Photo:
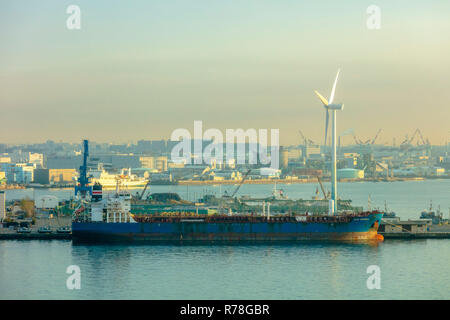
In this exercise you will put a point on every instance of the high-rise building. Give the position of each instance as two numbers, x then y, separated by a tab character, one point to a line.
284	157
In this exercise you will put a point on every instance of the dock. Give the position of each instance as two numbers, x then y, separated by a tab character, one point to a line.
35	236
54	224
413	229
425	235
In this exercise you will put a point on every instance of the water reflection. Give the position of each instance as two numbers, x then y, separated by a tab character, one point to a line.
409	269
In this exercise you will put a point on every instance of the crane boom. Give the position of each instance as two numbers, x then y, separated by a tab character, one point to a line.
321	187
376	136
145	188
240	184
421	137
302	136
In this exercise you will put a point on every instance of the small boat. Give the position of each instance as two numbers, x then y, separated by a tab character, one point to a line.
389	214
45	229
278	194
435	217
23	230
65	229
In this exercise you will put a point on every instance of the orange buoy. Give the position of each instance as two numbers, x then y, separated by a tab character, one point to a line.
380	237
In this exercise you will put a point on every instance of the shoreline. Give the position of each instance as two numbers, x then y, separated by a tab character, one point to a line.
297	181
236	182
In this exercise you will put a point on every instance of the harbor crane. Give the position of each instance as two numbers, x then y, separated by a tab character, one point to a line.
303	137
421	141
376	136
321	187
145	188
241	183
368	141
306	141
357	141
83	187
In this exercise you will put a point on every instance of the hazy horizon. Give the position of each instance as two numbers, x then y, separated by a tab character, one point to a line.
139	70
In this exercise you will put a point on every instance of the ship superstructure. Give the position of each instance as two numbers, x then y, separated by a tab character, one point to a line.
110	181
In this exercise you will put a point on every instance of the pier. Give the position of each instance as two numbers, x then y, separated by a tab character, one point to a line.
434	232
413	229
34	236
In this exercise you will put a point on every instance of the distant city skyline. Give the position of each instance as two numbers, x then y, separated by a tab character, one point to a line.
140	70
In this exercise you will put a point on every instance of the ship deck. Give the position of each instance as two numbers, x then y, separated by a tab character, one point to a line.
216	218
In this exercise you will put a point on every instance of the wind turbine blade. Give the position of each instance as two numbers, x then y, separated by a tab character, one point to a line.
334	87
324	101
326	125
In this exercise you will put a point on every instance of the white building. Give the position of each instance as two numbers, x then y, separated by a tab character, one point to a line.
269	172
36	159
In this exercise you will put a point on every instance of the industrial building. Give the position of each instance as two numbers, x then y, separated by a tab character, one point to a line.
350	173
50	176
5	159
284	157
158	163
310	172
21	173
311	151
115	161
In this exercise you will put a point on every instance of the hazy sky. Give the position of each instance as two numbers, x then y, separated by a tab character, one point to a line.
140	69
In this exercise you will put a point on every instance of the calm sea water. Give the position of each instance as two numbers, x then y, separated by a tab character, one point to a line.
409	270
415	269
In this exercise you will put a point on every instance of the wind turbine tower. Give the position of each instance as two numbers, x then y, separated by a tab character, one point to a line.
329	106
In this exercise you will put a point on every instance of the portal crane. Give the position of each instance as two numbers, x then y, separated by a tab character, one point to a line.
240	184
376	136
321	187
145	188
306	140
83	181
303	137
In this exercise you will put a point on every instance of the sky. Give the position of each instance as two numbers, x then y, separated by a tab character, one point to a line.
141	69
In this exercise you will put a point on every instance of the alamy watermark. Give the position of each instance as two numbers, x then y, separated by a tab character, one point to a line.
73	22
191	149
374	280
73	282
374	19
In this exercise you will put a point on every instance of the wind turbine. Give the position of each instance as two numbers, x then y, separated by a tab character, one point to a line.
329	106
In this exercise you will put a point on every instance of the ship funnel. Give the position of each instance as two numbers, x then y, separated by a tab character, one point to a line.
97	193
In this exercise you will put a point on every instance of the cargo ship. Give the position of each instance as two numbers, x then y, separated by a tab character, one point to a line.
110	181
166	218
189	227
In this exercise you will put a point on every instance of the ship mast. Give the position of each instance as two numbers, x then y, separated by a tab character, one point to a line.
333	163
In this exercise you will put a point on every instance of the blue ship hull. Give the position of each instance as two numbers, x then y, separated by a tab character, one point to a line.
359	228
